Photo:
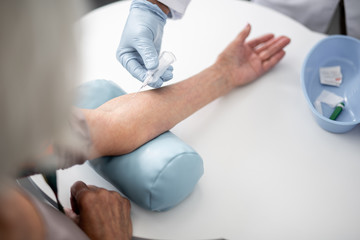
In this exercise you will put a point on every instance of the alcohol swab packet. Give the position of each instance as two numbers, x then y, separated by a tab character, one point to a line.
328	98
331	76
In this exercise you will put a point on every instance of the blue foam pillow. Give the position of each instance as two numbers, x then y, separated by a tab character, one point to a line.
156	176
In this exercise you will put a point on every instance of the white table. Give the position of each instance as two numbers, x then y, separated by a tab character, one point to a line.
270	171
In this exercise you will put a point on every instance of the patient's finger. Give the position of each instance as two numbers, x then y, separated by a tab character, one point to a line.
271	62
277	46
266	45
243	34
260	40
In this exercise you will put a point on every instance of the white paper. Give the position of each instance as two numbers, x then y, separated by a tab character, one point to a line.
328	98
331	76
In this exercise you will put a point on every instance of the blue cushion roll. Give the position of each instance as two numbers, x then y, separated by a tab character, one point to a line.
156	176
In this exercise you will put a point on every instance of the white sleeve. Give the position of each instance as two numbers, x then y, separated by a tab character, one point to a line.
177	7
316	15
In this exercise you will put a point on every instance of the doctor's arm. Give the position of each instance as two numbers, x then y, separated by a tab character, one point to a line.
123	124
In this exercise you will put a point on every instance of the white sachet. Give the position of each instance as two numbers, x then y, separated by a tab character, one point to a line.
328	98
331	76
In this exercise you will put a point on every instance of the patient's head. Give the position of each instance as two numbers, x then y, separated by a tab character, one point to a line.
37	68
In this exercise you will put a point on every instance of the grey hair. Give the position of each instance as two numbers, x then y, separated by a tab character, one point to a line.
38	68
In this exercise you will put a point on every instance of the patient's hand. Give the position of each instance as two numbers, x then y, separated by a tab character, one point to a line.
244	61
100	213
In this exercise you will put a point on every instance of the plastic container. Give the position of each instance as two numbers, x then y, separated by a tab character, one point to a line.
340	51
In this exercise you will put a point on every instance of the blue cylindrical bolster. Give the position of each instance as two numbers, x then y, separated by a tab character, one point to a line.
156	176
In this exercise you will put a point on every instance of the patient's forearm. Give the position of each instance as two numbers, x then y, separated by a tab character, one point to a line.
126	122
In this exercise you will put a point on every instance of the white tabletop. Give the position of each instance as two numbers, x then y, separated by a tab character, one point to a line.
270	171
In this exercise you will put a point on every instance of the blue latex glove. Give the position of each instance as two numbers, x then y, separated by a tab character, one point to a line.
140	43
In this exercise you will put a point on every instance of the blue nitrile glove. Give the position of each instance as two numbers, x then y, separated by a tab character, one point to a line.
140	43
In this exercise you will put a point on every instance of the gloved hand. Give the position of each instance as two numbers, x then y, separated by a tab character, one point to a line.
140	43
